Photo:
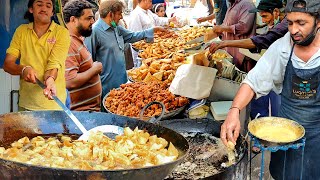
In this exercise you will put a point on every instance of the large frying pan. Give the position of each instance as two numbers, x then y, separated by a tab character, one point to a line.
234	172
17	125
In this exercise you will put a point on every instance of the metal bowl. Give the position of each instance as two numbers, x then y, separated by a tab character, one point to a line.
276	130
166	115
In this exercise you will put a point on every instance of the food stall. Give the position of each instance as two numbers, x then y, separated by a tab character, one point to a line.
151	81
197	143
197	140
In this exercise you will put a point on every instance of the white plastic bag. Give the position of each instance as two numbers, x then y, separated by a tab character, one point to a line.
193	81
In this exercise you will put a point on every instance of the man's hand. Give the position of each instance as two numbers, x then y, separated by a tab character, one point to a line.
218	29
97	67
50	89
215	46
29	75
230	129
202	19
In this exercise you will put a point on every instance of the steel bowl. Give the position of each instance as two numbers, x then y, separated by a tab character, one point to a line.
276	130
166	115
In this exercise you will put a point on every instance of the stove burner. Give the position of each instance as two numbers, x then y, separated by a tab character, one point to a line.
204	159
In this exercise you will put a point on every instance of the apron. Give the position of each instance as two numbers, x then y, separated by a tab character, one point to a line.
300	101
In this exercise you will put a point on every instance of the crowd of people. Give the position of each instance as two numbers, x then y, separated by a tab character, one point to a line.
86	59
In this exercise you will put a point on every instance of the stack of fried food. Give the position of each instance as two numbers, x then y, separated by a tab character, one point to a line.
163	47
163	35
134	149
192	33
131	98
157	70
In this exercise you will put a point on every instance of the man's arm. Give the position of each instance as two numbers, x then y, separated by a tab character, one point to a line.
75	80
56	61
203	19
265	40
13	53
58	54
230	129
10	65
243	43
255	43
131	37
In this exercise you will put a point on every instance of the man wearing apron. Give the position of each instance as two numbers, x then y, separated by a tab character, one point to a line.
291	68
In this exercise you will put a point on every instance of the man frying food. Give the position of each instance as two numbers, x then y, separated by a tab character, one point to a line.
291	68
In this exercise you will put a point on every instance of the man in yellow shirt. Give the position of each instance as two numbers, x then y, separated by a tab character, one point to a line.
42	47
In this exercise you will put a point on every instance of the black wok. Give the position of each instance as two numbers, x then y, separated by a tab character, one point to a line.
14	126
237	171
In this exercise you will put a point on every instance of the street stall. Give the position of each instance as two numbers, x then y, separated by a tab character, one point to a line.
160	61
30	141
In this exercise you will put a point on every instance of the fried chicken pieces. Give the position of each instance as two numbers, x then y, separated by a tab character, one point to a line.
157	70
134	149
131	98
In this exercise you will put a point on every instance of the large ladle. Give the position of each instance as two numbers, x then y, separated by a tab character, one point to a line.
106	129
109	130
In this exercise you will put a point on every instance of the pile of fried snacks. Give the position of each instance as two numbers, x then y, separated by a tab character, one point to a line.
134	149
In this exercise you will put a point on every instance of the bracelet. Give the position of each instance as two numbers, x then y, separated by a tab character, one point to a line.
234	107
24	68
50	77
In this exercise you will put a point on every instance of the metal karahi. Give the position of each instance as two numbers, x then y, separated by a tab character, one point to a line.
276	130
207	153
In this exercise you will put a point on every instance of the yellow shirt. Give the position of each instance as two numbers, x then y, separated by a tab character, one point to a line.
47	52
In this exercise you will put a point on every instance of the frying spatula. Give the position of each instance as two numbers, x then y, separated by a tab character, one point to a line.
106	129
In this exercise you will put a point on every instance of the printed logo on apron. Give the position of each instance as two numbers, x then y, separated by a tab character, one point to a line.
304	89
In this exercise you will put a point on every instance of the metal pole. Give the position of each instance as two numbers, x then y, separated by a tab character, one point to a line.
262	164
284	165
303	141
250	151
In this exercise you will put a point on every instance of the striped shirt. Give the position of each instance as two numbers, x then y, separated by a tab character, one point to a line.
88	96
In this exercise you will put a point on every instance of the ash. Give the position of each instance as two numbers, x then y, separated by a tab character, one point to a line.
206	155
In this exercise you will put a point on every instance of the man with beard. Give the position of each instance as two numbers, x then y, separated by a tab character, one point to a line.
269	11
238	24
42	48
106	43
82	74
291	68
